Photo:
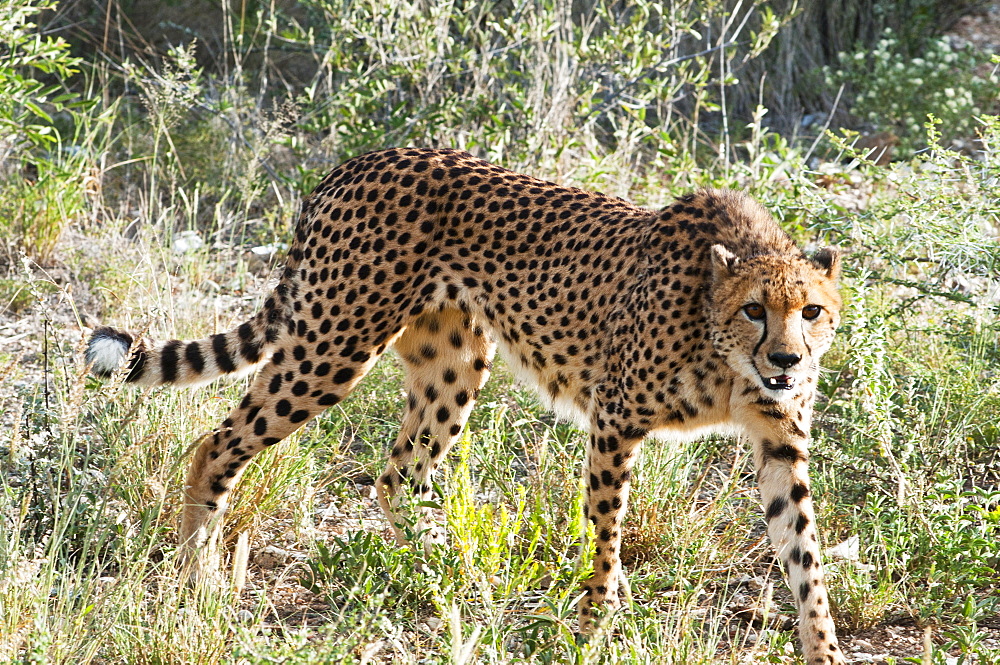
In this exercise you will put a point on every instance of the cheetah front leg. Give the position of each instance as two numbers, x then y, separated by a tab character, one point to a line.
778	432
607	474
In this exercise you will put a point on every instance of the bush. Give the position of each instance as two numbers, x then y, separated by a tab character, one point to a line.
41	180
896	93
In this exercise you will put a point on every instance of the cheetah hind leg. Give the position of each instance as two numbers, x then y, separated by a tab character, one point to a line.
282	398
447	356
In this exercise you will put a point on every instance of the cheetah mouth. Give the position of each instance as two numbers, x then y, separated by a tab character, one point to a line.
783	382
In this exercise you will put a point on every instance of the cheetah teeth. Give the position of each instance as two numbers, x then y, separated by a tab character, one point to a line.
782	382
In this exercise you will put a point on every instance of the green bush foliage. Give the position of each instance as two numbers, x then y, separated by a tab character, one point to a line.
894	91
41	187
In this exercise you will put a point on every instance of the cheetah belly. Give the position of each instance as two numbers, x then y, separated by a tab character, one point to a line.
550	385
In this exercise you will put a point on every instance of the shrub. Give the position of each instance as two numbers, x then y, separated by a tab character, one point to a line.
896	93
41	184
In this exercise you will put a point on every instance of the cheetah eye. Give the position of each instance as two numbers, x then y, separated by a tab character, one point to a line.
810	312
754	311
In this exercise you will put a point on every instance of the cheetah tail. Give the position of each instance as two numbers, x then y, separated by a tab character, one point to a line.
182	363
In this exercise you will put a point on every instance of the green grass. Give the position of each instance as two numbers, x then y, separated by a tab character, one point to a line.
906	441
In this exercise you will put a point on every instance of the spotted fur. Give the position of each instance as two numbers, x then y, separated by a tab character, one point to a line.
701	316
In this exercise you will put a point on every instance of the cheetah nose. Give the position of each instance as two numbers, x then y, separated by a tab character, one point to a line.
784	360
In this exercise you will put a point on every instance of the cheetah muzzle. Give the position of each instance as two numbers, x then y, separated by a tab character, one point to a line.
701	316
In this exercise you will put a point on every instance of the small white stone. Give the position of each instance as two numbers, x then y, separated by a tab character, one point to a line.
848	549
187	241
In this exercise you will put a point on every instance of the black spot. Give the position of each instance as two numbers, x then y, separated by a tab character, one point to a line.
775	508
799	492
344	375
250	351
260	426
194	358
329	399
298	416
632	432
784	451
283	407
168	361
222	358
801	523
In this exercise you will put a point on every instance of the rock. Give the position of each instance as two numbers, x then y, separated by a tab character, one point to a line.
271	557
187	241
848	549
265	256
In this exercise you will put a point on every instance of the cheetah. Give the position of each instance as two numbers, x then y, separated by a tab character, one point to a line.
703	316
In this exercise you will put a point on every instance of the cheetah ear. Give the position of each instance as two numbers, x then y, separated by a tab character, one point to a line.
724	263
828	259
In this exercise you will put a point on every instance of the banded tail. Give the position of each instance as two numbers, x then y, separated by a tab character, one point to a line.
183	363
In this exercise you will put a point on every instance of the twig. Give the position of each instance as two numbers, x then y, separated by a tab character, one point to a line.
616	94
826	125
45	373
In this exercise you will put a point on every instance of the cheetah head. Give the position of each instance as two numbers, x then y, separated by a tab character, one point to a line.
773	316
